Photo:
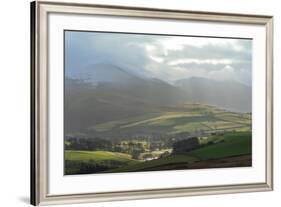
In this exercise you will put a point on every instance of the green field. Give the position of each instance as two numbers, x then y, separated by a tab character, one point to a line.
96	155
76	160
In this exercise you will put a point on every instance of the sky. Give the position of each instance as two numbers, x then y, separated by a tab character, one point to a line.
168	58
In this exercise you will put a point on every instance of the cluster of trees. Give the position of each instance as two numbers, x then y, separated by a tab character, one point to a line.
137	147
78	167
180	144
87	144
186	145
132	148
189	144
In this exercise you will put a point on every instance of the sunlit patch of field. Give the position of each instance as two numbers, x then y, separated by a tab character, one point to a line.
213	139
120	123
96	155
155	153
221	125
189	127
234	117
164	119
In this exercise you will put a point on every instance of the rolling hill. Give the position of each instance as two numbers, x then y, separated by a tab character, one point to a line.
112	96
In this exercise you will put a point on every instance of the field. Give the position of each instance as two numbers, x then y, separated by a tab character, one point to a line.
147	142
100	159
96	155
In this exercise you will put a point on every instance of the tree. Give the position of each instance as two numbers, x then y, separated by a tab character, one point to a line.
186	145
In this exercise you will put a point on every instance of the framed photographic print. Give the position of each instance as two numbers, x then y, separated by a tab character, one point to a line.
134	103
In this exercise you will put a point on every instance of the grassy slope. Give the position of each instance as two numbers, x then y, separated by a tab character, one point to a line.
238	143
191	117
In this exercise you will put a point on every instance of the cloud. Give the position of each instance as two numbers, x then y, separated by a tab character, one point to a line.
86	48
165	57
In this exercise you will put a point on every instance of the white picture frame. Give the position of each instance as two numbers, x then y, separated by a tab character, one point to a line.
48	184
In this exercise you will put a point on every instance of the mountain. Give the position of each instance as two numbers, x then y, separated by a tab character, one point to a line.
111	93
229	95
112	79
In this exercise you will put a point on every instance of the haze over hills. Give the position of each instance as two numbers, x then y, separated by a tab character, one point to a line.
106	92
230	95
110	78
106	73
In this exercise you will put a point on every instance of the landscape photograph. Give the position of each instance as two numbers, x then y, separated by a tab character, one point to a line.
151	102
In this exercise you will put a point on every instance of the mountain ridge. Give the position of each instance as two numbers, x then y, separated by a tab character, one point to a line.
124	95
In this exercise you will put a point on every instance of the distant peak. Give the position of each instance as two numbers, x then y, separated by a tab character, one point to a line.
197	78
193	78
112	66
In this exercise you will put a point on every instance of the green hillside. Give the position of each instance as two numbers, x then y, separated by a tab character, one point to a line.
234	144
188	118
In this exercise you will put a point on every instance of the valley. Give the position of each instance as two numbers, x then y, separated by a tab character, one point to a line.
147	142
